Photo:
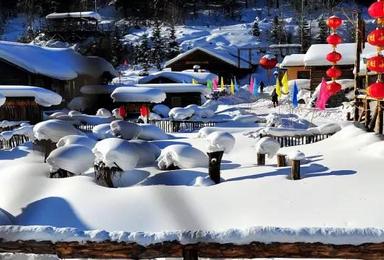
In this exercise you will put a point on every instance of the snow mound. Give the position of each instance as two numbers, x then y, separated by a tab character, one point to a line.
116	152
26	130
205	131
375	149
181	113
296	155
201	112
161	110
182	156
103	112
147	152
203	181
152	132
73	158
76	139
4	219
125	130
211	104
54	129
220	141
267	145
102	131
92	119
246	118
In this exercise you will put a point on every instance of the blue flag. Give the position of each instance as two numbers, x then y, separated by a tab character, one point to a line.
295	92
236	85
256	87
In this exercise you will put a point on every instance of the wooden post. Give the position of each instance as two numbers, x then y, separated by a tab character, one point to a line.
372	123
295	171
281	162
190	254
367	113
379	121
260	159
214	165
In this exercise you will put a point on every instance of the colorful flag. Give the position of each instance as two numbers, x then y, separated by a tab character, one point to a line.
215	83
323	96
222	87
295	92
278	87
251	85
209	85
236	86
194	82
256	86
232	88
284	81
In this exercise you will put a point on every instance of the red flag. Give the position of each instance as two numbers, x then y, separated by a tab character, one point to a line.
122	111
144	111
323	96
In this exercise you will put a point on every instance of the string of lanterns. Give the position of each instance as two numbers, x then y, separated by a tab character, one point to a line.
376	38
334	57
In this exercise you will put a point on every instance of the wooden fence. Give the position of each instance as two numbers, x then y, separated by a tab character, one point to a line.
15	140
174	126
85	127
287	141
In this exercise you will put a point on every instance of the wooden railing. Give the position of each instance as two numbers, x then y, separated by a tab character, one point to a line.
174	126
85	127
15	140
286	141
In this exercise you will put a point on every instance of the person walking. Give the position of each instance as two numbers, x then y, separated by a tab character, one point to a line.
275	98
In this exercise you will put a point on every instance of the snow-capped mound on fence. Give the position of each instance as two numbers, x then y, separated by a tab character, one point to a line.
125	130
102	131
200	111
116	152
77	139
267	145
43	97
26	130
181	113
103	112
329	128
57	115
220	141
152	132
161	109
296	155
286	121
148	152
6	123
182	156
73	158
93	119
74	113
205	131
54	129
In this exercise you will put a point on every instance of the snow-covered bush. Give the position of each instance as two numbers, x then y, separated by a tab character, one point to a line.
181	156
220	141
152	132
103	112
161	110
125	130
53	130
267	145
102	131
73	159
296	155
77	139
205	131
147	152
26	130
181	113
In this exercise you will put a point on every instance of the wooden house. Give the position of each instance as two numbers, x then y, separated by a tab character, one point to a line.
61	70
294	66
219	62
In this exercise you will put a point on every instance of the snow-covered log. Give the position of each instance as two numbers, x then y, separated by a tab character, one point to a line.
220	141
76	139
181	156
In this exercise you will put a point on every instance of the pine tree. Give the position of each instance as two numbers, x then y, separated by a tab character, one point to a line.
172	46
143	52
278	34
255	28
305	35
158	45
323	31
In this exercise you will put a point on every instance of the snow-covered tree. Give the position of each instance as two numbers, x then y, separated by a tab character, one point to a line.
143	52
172	46
305	35
278	34
323	31
256	28
158	45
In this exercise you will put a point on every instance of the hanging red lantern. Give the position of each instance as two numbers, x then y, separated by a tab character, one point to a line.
333	87
334	57
333	72
376	37
376	10
144	111
376	90
376	64
334	39
122	111
268	62
334	22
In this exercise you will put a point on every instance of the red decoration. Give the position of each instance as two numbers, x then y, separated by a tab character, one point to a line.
333	87
376	37
334	39
376	10
122	111
268	62
334	57
333	72
376	64
334	22
376	90
144	111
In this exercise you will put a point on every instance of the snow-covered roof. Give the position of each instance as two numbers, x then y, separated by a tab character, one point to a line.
43	97
57	63
177	87
180	76
293	60
87	14
316	54
220	54
134	94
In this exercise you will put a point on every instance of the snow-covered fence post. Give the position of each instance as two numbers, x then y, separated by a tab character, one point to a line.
296	157
266	146
218	143
281	161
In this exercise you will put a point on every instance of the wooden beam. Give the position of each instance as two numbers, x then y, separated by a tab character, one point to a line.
372	123
380	119
367	113
112	250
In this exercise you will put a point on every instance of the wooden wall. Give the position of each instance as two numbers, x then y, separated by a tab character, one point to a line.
317	73
293	72
21	109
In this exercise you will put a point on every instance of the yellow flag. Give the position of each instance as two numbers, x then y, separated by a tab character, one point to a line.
232	88
284	81
278	87
222	83
194	82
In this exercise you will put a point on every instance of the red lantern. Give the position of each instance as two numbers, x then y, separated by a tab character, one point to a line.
334	57
376	37
376	90
333	87
376	64
122	111
144	111
334	39
268	62
333	72
376	10
334	22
